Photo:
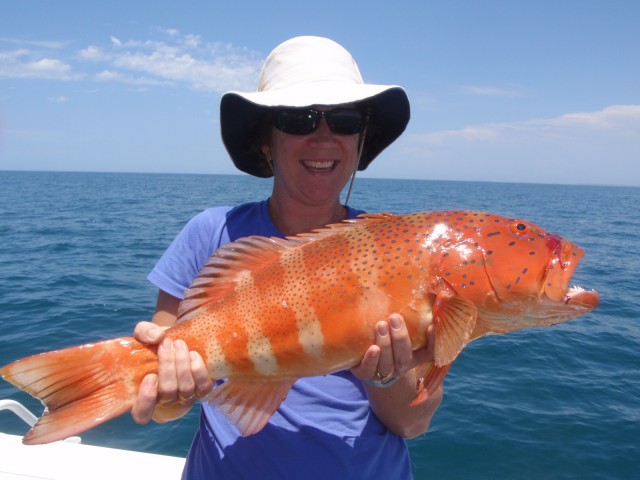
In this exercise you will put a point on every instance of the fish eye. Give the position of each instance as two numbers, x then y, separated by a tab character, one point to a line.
519	228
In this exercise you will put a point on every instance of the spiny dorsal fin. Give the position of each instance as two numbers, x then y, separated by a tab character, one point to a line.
220	274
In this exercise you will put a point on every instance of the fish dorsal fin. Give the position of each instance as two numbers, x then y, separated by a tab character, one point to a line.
231	262
454	320
225	268
249	405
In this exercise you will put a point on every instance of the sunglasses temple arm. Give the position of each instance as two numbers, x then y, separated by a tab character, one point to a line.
363	134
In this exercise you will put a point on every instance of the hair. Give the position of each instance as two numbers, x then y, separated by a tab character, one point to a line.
260	135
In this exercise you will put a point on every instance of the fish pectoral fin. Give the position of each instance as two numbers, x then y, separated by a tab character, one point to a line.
249	405
429	378
454	321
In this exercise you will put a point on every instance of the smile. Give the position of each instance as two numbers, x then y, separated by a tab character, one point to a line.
319	165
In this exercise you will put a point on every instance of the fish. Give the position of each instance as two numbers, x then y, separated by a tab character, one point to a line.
264	312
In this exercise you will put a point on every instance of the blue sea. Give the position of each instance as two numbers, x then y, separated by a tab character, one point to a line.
561	402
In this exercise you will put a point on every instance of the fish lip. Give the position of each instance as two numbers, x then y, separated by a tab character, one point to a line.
581	298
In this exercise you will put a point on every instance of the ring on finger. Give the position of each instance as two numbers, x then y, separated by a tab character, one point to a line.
383	381
186	399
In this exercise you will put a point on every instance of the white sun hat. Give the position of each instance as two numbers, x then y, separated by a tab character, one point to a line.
303	72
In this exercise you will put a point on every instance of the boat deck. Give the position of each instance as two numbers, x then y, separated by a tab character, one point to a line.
71	460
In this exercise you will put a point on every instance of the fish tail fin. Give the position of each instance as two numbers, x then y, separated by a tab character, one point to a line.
81	387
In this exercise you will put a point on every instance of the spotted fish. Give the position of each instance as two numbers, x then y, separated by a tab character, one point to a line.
264	312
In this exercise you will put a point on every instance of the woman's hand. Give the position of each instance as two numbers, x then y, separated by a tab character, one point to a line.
181	379
392	356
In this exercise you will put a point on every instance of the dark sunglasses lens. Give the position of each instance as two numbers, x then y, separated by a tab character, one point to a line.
296	122
303	122
345	122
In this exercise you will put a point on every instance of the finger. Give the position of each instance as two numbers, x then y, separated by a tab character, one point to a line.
383	340
148	332
401	343
146	401
422	355
185	383
367	368
431	340
203	382
167	376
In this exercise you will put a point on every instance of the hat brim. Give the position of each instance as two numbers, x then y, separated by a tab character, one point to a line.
241	114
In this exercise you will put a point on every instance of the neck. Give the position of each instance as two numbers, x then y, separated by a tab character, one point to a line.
292	219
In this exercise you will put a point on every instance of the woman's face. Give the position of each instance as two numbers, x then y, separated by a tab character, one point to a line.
314	168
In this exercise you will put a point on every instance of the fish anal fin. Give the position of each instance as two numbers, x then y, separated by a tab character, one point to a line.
249	405
430	377
454	321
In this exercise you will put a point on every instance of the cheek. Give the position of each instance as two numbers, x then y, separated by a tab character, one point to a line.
349	145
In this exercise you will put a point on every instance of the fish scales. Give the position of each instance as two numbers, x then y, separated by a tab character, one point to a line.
264	312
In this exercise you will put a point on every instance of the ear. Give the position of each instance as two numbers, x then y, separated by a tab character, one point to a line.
266	151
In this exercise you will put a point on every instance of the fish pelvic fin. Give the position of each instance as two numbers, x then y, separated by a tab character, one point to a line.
454	321
430	378
81	387
249	405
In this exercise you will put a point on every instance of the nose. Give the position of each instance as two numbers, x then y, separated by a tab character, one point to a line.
323	133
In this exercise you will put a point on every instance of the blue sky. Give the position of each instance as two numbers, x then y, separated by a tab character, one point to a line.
511	91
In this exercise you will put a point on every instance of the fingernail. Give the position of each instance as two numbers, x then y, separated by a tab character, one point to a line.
166	344
151	380
156	334
180	345
395	322
383	328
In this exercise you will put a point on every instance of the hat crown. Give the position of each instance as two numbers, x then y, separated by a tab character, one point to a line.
306	60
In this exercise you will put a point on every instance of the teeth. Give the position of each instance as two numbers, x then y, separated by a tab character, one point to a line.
319	165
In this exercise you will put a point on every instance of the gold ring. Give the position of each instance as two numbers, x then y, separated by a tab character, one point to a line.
186	399
382	378
383	381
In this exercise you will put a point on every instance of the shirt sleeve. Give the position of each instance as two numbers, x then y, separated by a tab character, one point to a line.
181	262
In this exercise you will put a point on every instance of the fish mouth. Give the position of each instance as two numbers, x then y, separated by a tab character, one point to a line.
559	271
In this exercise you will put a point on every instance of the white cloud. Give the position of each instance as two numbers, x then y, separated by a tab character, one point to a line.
575	147
113	76
491	91
174	60
623	117
203	66
91	53
50	44
24	63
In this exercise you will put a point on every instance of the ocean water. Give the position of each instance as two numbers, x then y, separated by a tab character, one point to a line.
561	402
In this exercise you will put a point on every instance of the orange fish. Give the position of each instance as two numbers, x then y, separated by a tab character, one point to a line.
265	311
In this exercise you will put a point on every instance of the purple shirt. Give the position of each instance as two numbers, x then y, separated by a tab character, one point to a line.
324	429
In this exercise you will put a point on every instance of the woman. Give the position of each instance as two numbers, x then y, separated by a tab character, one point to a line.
311	124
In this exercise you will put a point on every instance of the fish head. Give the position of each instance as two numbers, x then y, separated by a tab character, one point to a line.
515	272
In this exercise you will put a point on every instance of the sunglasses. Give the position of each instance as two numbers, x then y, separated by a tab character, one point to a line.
303	121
